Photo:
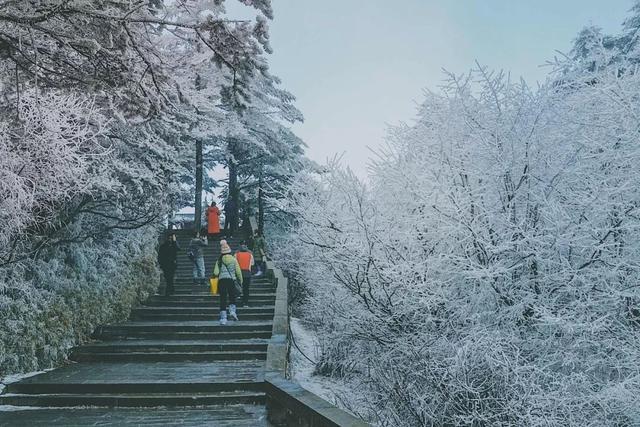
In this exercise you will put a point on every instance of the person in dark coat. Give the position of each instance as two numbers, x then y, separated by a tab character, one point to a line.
196	255
259	253
168	260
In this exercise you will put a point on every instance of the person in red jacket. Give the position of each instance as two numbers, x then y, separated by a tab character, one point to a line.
213	220
246	262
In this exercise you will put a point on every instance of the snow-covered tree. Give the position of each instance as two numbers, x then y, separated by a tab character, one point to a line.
101	106
262	138
592	51
46	161
629	41
166	75
488	273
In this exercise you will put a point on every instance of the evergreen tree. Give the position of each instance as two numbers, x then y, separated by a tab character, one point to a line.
628	41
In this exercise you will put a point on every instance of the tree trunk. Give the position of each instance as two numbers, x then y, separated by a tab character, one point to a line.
198	202
260	203
233	190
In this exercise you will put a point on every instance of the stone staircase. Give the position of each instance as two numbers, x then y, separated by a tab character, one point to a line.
171	363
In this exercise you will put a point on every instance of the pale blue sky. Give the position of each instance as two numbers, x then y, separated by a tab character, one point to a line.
356	66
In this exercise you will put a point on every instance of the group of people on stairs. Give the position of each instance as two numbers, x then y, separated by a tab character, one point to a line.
229	268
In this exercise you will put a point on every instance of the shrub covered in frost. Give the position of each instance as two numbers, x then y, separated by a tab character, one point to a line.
55	302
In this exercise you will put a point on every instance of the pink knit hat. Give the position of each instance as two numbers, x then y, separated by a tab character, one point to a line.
224	247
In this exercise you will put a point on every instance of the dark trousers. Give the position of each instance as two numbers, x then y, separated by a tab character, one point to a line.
227	291
246	282
169	274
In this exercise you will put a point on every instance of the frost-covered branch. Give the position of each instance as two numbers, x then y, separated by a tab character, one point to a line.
487	274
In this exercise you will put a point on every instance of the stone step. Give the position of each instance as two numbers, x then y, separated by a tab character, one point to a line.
134	399
194	326
186	268
209	252
141	356
215	301
213	247
160	372
212	243
208	298
231	240
258	287
172	346
181	293
185	263
215	415
189	285
237	239
188	234
209	257
161	334
201	294
210	310
201	290
208	302
187	279
253	302
140	314
132	387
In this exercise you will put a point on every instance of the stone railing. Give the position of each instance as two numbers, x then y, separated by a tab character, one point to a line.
288	404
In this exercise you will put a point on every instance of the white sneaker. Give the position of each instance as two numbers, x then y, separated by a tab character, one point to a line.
223	318
232	312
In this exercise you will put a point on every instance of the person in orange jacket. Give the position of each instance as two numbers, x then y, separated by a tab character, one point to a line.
213	220
246	262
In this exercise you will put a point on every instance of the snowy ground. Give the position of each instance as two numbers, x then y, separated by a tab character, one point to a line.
303	357
9	379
